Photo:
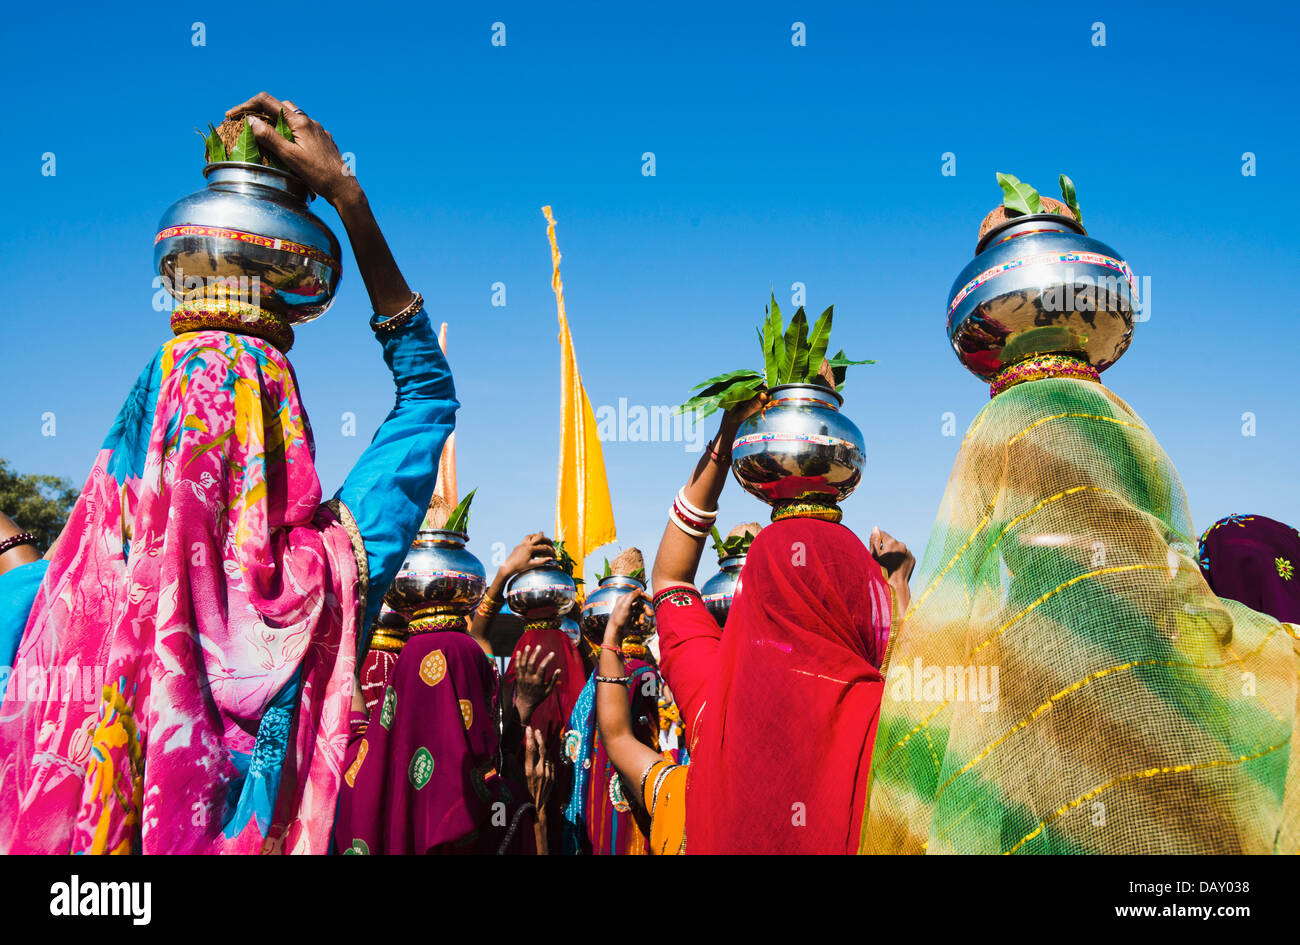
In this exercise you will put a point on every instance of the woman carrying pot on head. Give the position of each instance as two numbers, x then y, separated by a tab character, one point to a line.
653	786
1098	704
201	579
780	710
549	648
597	813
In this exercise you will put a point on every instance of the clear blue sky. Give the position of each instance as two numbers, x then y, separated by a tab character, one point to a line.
774	164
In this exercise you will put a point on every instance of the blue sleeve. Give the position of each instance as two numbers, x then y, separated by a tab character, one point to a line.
18	587
389	488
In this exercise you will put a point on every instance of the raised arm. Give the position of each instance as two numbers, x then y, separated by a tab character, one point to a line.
678	556
613	710
535	549
388	490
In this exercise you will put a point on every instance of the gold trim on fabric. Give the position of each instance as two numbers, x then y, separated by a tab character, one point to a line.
924	723
344	515
1117	569
988	512
1136	775
1075	686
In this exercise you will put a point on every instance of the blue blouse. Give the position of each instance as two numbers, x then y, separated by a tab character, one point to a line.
389	488
18	587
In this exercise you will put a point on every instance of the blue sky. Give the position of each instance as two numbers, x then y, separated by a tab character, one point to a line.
775	164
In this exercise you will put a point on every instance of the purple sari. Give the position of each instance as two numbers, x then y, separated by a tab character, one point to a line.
421	775
1254	560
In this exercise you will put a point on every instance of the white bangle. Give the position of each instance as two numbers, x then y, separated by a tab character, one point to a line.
698	513
677	520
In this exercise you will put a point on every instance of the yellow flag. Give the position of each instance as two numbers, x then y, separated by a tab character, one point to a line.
584	516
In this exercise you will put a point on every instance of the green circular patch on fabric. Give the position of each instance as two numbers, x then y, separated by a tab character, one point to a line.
421	769
389	709
358	848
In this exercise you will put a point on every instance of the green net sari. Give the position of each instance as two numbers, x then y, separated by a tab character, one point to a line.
1065	680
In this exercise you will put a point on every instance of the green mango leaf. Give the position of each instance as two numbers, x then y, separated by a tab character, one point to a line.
740	393
841	360
1068	197
796	346
839	365
282	127
639	574
725	379
284	131
458	520
565	560
817	342
702	407
774	353
607	572
718	544
214	150
245	148
1019	196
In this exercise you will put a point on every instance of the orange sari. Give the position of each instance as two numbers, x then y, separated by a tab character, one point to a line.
663	792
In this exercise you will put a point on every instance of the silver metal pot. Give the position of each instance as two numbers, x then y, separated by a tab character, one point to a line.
571	630
439	577
595	612
249	235
719	589
543	593
1039	285
800	445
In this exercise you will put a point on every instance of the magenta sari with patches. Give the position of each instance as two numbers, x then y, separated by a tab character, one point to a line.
200	578
422	773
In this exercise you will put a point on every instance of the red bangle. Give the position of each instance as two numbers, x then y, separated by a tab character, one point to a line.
613	649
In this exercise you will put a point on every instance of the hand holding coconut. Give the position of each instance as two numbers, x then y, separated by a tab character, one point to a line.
309	153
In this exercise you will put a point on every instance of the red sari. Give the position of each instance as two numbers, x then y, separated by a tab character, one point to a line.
781	710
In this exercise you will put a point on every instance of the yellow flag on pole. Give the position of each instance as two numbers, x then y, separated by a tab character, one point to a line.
584	515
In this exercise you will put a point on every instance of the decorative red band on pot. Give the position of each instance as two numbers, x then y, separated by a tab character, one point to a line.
818	438
221	232
1095	259
440	572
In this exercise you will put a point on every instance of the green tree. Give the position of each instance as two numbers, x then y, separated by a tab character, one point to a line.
39	504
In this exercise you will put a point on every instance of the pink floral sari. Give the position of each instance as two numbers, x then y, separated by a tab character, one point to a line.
184	681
